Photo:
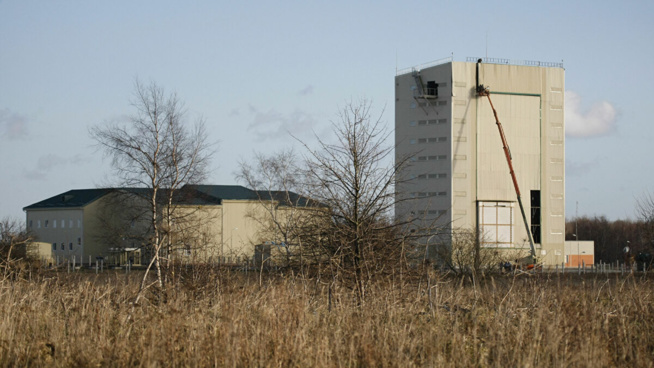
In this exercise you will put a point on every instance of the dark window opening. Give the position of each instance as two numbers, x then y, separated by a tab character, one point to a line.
535	216
432	88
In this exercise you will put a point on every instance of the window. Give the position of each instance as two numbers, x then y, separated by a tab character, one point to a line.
79	223
63	224
54	224
46	223
412	123
432	158
70	224
431	140
70	246
432	88
535	216
132	224
54	246
432	212
413	141
495	223
422	122
30	224
38	224
79	241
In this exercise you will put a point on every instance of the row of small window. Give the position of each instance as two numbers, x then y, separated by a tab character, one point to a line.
423	104
428	194
432	176
432	212
429	158
62	223
428	140
62	246
428	122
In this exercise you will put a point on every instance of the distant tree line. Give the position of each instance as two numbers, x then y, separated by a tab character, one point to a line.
611	237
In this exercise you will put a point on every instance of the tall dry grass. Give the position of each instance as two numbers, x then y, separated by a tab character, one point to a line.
233	320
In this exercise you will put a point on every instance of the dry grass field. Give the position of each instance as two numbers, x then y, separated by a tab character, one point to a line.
234	320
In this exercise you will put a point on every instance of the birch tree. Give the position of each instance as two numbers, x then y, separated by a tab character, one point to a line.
156	149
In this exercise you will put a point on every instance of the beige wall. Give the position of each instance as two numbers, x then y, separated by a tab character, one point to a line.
214	233
63	227
579	252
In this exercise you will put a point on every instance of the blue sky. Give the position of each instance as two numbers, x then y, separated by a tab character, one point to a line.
256	70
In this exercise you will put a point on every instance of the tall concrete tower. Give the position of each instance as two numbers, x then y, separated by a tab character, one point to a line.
458	176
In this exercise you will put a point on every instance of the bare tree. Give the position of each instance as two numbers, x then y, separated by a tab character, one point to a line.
464	254
354	177
645	213
14	239
156	150
281	213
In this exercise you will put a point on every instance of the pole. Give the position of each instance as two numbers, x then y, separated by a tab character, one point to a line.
577	229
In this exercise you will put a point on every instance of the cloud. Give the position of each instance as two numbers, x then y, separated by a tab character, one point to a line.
597	121
12	125
46	164
306	91
274	125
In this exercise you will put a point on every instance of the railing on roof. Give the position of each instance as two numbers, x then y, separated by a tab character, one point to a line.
423	66
487	60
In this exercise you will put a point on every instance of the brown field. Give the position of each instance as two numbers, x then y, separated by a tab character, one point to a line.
247	321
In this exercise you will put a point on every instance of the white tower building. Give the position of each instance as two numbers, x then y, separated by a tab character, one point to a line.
458	175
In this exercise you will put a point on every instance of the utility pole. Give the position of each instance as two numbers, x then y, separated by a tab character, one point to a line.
577	230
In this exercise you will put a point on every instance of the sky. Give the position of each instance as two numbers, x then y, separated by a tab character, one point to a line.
259	71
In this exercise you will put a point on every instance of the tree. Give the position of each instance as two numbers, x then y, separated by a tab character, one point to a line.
156	150
354	178
14	239
645	213
464	254
284	216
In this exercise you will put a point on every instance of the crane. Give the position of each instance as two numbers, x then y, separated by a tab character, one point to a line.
483	91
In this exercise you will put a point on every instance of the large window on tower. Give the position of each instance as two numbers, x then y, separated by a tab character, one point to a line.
495	224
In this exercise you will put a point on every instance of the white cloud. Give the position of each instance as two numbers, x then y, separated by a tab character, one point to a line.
598	120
